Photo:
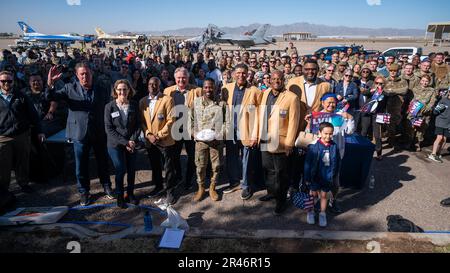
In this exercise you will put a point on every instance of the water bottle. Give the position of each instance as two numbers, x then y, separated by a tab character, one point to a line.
148	226
372	182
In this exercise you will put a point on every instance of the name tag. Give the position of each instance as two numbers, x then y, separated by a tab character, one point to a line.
283	113
160	116
115	114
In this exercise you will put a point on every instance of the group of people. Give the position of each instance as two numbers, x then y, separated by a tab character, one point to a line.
252	106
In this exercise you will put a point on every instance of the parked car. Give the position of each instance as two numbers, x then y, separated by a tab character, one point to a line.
402	51
328	51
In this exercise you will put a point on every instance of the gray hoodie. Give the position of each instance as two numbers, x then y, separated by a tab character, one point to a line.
443	119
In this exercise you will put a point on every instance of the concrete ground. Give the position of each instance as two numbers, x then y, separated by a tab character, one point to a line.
407	184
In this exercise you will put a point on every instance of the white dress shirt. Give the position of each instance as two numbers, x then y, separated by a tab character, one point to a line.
310	90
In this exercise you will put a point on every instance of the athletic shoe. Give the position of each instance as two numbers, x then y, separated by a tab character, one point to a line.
435	158
310	218
322	219
246	194
84	199
232	188
109	193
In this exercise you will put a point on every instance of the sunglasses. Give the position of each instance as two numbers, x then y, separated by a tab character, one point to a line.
347	75
380	83
330	70
6	81
365	72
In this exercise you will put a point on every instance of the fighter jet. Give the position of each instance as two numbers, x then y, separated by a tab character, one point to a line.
115	39
30	35
213	35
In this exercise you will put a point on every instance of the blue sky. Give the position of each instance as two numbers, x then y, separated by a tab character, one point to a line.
57	16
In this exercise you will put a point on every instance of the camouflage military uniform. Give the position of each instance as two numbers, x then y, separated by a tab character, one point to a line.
412	80
207	114
441	72
185	52
287	77
291	51
431	74
444	83
395	89
338	76
427	96
321	64
352	60
361	62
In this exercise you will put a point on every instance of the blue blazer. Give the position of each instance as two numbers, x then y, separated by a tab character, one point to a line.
86	117
351	96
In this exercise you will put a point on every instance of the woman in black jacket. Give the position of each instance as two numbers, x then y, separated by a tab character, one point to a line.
378	85
123	128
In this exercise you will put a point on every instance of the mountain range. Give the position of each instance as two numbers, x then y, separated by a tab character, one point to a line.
315	29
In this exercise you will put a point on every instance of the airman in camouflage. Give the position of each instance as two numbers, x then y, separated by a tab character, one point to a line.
427	96
394	89
441	70
412	80
339	73
425	69
207	114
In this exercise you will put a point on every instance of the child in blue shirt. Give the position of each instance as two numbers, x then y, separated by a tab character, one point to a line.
321	169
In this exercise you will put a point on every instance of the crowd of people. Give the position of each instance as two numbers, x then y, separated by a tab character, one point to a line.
162	96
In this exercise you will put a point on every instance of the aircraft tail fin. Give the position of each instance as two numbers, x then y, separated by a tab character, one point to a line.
100	32
25	28
261	31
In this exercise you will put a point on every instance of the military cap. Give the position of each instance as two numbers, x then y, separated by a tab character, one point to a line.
366	66
343	64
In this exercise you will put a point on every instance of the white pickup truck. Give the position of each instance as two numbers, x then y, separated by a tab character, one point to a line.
401	51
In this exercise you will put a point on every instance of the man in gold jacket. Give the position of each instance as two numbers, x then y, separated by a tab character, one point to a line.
183	95
243	101
157	120
279	118
310	89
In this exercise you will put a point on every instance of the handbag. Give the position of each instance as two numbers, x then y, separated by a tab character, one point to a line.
304	139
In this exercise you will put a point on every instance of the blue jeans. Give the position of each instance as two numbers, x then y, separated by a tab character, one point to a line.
124	162
82	151
237	158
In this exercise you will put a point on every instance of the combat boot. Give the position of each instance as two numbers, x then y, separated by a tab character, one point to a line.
199	195
212	192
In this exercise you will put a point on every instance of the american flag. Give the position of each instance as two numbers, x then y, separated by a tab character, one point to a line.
417	122
303	200
384	118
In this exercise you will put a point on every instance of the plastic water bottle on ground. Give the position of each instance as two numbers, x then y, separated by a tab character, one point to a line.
148	225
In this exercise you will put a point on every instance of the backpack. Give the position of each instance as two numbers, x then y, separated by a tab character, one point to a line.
397	223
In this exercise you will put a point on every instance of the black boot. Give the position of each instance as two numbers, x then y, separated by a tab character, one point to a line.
121	202
130	198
